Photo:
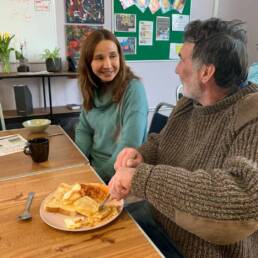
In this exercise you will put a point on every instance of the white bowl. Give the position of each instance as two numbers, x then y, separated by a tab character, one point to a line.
37	125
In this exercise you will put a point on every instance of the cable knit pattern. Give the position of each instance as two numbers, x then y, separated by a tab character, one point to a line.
201	176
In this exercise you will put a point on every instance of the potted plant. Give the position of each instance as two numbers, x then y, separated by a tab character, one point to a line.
23	67
53	60
5	50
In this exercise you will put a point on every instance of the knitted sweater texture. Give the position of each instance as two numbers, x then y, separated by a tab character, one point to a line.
201	176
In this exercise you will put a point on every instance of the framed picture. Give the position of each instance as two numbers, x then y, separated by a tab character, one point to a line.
85	11
74	35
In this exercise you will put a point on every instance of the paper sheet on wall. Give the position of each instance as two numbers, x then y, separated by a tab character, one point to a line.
11	144
179	22
145	33
174	50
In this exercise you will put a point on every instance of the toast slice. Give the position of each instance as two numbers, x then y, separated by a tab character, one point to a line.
86	206
53	204
57	203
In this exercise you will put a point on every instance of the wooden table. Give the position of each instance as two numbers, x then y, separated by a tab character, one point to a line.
62	153
121	238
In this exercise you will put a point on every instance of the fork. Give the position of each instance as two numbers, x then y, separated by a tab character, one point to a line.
26	215
101	206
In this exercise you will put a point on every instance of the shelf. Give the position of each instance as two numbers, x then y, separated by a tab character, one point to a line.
59	110
71	75
50	112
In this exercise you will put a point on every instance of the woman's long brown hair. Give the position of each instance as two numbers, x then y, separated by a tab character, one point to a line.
88	80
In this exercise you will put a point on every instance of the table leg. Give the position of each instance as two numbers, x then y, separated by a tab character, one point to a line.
44	91
50	97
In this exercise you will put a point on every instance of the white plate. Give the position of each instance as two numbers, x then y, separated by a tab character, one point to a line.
56	220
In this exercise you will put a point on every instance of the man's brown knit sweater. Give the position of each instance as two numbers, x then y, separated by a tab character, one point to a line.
201	175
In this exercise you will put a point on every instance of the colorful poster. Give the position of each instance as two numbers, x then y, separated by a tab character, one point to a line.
179	5
145	33
127	3
128	45
125	22
162	28
142	4
154	6
165	6
74	35
85	11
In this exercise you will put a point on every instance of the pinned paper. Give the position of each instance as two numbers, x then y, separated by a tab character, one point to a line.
128	45
179	22
142	4
162	28
146	33
175	50
179	5
165	6
154	6
127	3
125	22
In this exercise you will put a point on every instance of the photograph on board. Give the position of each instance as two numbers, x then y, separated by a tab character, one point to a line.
128	45
74	36
125	22
85	11
162	28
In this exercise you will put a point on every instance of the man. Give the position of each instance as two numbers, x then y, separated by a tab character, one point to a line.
200	173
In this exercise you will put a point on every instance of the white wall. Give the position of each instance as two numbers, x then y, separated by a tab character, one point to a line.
159	78
247	11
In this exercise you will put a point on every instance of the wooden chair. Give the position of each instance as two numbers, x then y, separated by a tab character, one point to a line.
179	92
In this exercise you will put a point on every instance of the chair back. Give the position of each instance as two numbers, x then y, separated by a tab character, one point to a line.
2	118
179	92
159	120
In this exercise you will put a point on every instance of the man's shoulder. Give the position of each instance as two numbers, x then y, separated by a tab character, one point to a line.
183	105
247	110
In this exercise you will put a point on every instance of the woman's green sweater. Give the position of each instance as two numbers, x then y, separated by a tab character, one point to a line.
109	127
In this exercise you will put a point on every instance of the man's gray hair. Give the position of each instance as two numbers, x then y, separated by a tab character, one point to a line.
223	44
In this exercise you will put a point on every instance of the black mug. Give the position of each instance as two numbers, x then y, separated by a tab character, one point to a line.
38	149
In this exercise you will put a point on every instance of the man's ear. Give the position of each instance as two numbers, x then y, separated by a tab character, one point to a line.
207	72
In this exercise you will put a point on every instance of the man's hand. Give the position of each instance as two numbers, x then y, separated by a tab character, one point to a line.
120	184
128	157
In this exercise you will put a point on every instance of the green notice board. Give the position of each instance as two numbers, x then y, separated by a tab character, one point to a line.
160	49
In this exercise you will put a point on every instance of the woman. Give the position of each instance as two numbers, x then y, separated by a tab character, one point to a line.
115	105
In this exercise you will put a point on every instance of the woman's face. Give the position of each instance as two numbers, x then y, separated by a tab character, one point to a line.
106	61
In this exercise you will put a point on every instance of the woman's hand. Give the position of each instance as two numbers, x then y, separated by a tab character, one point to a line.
128	157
